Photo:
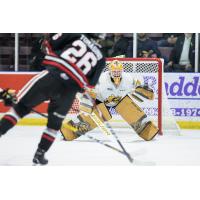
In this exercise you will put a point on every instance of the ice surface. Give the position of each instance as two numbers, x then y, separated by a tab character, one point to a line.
18	146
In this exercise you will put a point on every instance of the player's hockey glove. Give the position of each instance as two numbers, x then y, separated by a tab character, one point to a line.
8	96
145	91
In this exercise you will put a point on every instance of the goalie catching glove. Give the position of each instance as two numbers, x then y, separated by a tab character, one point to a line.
8	96
145	91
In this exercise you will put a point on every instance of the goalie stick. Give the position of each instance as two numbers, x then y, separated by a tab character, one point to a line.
88	136
107	128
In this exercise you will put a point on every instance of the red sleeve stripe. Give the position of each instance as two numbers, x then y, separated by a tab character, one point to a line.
30	83
48	137
11	119
68	64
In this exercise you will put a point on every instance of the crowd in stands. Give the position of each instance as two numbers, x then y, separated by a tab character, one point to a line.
177	49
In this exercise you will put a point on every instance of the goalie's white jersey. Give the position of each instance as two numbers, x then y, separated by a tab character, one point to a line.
108	93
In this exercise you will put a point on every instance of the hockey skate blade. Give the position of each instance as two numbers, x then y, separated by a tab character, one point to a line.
34	164
38	164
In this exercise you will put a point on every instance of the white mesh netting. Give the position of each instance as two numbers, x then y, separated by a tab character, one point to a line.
133	66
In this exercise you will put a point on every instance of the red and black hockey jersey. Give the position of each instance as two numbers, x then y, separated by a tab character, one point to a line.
77	55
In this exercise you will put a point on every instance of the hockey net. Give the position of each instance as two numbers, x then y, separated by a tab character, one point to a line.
149	71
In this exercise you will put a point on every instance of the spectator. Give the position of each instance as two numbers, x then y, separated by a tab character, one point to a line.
183	54
169	39
120	45
146	47
7	51
107	44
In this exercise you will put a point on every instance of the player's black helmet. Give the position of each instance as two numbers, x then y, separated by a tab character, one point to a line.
101	36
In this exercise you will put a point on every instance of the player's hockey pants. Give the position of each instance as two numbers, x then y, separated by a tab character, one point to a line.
45	87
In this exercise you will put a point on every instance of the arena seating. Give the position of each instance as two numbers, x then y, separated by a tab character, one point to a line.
7	51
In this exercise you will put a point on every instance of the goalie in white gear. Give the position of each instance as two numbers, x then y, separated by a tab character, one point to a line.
119	90
114	84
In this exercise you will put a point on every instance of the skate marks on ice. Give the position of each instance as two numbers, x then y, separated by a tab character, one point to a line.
128	138
143	163
26	160
18	147
135	154
138	162
16	160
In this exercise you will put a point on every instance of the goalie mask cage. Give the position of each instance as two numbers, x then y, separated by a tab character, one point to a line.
150	71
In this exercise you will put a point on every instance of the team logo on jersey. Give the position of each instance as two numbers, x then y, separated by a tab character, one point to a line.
112	98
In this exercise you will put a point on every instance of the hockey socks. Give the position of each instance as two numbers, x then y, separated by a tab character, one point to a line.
46	141
6	123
